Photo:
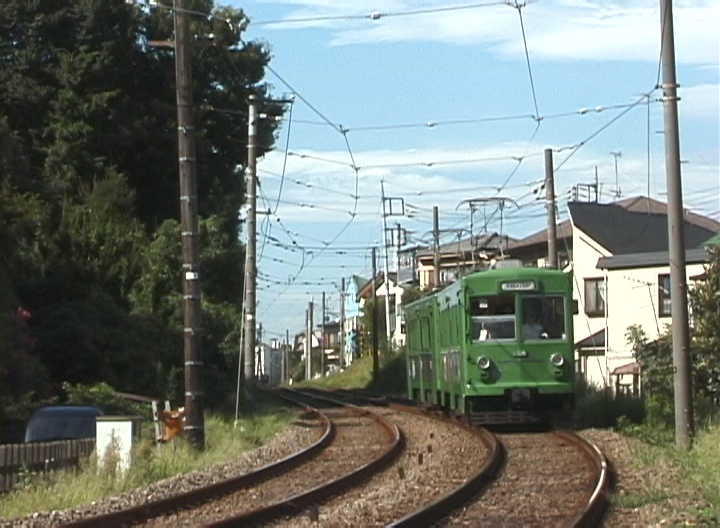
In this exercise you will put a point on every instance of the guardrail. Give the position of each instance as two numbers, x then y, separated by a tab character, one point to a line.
17	460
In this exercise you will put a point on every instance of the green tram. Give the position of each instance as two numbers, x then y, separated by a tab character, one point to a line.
496	346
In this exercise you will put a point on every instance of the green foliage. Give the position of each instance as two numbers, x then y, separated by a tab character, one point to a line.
657	371
22	375
105	396
603	407
656	362
91	339
412	293
373	308
392	375
224	439
704	301
89	193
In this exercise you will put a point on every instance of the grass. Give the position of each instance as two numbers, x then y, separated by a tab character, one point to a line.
224	439
391	376
670	470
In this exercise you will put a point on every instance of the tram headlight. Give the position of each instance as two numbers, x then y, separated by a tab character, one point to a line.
483	362
557	360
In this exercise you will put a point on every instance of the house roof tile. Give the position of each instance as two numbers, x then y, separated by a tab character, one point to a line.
624	231
615	215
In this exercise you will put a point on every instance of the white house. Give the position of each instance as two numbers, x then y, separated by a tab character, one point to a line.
622	277
618	253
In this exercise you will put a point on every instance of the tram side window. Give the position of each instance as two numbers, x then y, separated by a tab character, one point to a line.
492	318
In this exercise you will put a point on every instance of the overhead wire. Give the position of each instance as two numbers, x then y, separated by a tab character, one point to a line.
376	15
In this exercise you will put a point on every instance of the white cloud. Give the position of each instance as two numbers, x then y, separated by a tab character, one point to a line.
556	31
699	101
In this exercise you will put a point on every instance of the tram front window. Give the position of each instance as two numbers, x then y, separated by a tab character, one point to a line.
492	318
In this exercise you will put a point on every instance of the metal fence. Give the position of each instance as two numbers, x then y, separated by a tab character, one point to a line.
18	461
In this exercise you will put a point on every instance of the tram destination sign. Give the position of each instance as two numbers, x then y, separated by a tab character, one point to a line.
520	285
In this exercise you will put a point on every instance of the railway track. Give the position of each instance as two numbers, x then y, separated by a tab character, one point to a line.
553	478
288	486
549	479
356	473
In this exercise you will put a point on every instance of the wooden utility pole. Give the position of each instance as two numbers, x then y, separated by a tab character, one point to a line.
684	426
194	414
550	198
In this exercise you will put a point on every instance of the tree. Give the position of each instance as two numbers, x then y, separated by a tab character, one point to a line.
656	357
89	190
704	299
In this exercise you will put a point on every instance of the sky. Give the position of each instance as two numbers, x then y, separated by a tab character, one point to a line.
433	103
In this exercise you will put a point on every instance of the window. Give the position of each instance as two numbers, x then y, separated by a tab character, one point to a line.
664	303
595	297
492	318
543	317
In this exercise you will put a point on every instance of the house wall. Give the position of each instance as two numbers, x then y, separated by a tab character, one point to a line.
586	253
633	299
396	335
351	324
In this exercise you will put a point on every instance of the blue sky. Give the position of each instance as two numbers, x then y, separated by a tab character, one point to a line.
442	101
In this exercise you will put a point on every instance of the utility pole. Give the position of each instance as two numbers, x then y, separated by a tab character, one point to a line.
308	342
342	322
399	306
259	364
550	198
376	365
322	338
684	426
194	414
436	248
385	267
393	212
250	257
617	154
286	356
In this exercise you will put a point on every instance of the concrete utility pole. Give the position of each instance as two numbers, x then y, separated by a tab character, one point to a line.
322	338
194	414
376	365
617	154
436	248
684	426
286	357
385	266
550	198
259	364
308	342
342	322
250	256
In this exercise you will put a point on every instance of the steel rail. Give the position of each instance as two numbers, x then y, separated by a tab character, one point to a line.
300	502
596	505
